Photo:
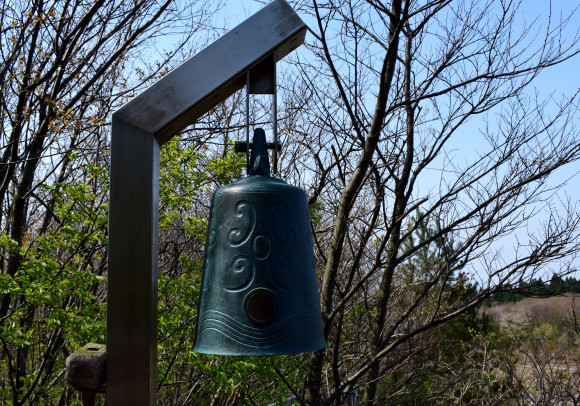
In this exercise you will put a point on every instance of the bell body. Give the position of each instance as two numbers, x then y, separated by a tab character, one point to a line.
259	286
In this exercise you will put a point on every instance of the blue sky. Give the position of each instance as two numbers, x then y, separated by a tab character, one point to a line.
558	82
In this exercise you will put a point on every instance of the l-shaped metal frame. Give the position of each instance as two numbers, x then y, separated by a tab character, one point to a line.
139	129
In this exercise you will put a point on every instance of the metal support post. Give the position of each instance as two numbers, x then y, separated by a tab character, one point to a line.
132	277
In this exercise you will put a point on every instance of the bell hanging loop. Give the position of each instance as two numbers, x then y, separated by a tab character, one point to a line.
261	79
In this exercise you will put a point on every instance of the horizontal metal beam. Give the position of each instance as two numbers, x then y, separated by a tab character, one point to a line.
211	76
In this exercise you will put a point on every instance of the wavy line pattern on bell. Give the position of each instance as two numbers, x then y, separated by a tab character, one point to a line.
263	337
249	330
253	341
236	237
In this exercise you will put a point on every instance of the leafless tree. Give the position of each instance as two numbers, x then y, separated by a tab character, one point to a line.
407	107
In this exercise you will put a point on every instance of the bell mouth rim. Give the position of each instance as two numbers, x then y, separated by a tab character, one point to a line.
249	353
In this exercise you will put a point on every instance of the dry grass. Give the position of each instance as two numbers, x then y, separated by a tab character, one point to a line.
534	308
546	347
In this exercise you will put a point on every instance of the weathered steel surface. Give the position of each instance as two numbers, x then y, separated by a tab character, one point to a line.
259	289
215	73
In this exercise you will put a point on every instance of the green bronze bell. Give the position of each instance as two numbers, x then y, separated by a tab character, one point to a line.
259	286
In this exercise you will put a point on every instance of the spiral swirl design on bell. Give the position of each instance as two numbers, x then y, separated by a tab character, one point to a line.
244	212
279	225
280	272
241	274
212	239
261	247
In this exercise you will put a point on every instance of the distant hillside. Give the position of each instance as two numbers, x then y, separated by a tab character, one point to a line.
533	308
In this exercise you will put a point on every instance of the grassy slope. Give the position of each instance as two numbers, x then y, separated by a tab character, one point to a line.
534	308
